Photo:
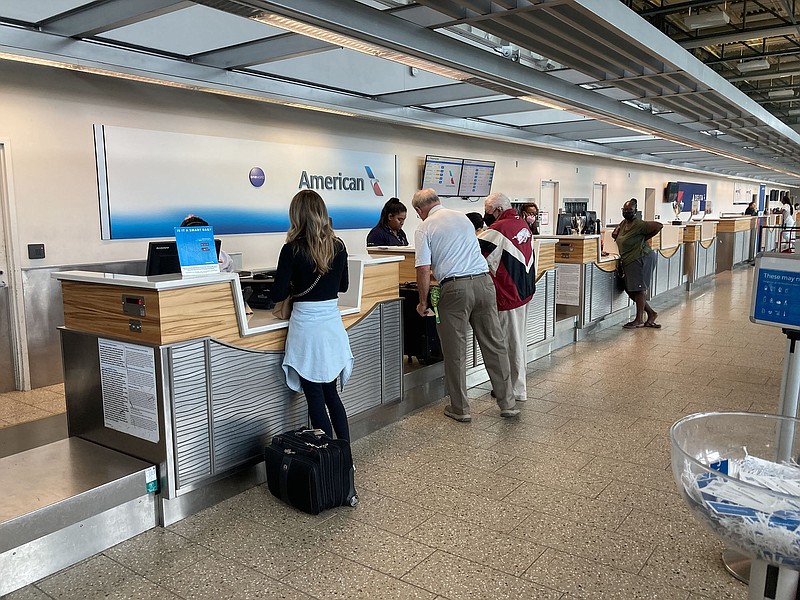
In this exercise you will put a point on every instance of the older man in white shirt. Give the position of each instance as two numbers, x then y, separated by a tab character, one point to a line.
445	243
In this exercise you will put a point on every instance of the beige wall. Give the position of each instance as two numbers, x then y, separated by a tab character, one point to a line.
46	118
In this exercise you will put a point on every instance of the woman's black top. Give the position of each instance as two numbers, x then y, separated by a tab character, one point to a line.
296	269
750	211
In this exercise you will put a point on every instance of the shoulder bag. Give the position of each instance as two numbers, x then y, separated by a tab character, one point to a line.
283	309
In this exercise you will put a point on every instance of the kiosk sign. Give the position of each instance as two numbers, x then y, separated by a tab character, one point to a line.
776	291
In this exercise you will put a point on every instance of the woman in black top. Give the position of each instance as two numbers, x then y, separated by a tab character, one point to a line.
313	262
389	230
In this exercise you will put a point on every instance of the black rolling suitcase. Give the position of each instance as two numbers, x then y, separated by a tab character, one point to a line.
420	337
310	471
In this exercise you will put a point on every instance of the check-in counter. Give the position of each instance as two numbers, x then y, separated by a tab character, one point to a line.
700	250
735	241
172	370
768	228
588	285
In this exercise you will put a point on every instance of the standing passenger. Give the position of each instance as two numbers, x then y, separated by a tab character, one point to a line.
508	248
530	212
638	261
445	242
314	263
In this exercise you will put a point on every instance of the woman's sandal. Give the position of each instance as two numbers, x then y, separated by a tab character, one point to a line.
633	325
652	324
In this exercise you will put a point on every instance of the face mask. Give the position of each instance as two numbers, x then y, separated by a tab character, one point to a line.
531	219
488	219
628	215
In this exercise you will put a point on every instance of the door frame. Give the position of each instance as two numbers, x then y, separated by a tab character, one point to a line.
8	213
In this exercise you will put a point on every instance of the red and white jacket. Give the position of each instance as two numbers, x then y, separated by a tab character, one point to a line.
508	248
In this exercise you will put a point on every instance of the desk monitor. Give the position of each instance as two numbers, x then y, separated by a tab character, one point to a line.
564	225
591	222
162	257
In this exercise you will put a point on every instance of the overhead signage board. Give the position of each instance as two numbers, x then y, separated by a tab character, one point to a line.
776	290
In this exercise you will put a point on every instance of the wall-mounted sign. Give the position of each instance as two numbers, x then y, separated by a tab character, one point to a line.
150	180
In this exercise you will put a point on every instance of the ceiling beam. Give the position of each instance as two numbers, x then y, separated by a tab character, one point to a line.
738	36
288	45
100	17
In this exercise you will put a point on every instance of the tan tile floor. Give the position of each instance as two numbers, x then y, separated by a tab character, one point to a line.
575	501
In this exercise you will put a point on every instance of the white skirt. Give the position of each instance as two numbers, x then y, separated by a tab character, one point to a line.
317	346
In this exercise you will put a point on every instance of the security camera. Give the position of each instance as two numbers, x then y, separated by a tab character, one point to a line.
508	52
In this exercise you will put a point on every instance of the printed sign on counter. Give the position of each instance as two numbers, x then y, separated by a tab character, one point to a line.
128	382
776	290
568	284
197	251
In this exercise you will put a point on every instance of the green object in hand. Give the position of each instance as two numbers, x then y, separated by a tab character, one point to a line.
435	292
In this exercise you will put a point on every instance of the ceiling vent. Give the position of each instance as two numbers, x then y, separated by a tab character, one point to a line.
715	18
759	64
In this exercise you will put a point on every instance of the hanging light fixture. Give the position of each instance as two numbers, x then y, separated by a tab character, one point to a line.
758	64
714	18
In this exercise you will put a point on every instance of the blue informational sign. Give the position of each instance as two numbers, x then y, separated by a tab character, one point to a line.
776	291
197	252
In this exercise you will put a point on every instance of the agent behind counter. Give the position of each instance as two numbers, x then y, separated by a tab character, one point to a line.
389	230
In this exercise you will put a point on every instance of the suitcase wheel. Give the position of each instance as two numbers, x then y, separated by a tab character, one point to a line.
354	501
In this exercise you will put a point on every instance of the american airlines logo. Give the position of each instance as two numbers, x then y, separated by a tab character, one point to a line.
339	182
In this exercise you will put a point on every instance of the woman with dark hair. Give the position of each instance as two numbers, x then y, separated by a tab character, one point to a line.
787	222
530	212
313	263
389	230
638	262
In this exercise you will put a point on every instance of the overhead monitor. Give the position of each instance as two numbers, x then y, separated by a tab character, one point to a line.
443	174
476	178
162	257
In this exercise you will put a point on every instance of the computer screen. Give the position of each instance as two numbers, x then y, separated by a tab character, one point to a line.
443	174
476	178
591	222
162	257
564	226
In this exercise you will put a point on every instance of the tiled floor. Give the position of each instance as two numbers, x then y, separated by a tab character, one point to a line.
575	500
22	407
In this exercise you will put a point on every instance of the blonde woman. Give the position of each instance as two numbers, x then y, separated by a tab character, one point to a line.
313	267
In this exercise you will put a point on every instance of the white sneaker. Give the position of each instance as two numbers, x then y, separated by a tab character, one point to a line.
509	412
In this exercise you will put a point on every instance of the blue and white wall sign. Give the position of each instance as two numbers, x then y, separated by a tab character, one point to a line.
776	291
150	181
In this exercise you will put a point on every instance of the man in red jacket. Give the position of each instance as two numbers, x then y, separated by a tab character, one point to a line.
508	248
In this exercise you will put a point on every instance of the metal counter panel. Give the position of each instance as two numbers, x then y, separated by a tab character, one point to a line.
250	403
661	276
364	389
190	413
391	352
598	292
536	315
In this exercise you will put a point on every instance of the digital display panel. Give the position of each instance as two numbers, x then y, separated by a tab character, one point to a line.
443	174
476	178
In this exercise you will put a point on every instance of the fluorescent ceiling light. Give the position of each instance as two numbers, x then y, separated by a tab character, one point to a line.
344	41
794	112
781	94
758	64
707	19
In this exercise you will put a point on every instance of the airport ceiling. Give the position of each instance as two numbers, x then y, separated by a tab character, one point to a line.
691	84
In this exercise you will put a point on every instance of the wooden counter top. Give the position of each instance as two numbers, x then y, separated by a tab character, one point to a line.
733	224
196	308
